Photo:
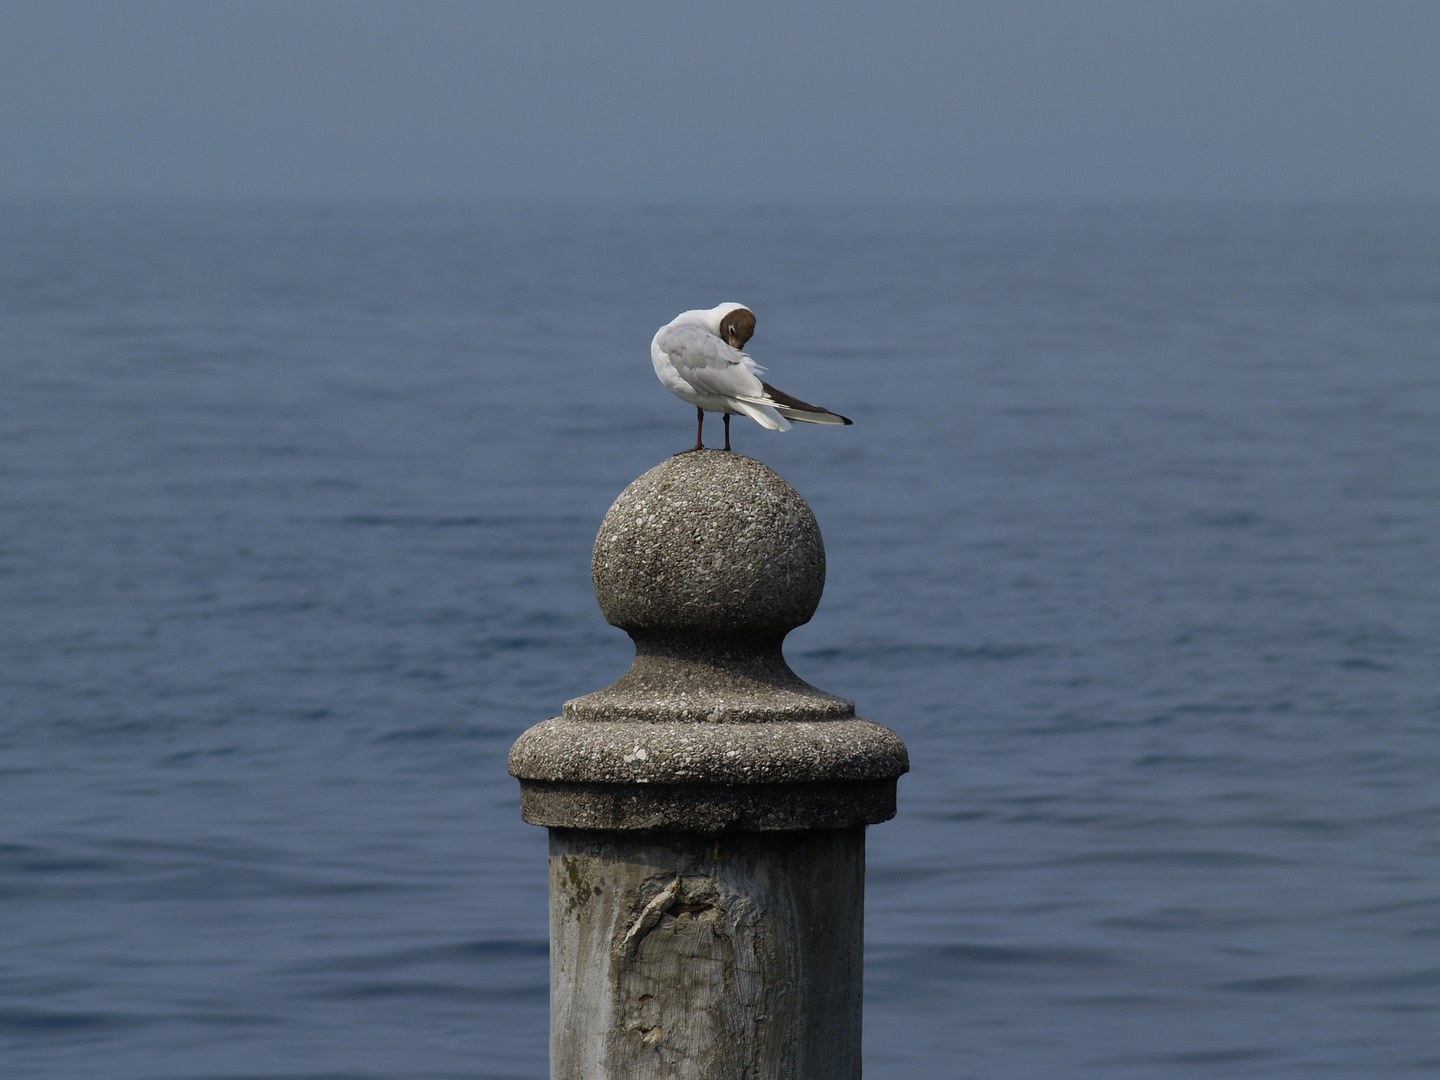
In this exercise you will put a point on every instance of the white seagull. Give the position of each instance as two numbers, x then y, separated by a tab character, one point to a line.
697	355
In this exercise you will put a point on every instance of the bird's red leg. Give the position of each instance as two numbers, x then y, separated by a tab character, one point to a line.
699	428
727	431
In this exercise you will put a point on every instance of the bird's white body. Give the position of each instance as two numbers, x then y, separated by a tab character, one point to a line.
698	366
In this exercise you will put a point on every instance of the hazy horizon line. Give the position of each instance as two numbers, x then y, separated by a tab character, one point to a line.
811	202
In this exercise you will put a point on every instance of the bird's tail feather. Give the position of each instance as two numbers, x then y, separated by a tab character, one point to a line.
792	408
823	416
767	416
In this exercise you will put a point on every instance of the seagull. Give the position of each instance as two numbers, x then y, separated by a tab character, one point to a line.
697	355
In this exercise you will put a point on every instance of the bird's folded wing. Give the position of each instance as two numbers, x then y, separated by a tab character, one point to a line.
709	364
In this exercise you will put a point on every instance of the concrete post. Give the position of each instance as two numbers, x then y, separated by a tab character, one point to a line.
707	811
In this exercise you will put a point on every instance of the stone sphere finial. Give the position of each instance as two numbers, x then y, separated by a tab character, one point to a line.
709	544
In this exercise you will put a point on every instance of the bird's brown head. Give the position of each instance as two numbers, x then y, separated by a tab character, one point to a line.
737	326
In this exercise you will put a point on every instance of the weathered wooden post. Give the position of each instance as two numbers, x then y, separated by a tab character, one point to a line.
707	812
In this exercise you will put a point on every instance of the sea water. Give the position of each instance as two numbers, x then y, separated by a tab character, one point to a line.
1135	541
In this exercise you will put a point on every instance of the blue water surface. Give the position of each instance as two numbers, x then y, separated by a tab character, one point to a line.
1135	541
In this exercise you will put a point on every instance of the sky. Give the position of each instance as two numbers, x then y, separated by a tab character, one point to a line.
675	101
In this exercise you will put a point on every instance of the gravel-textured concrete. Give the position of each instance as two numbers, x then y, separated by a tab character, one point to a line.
695	683
775	753
707	561
710	544
708	809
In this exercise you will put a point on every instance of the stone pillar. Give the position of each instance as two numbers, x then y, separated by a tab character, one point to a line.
707	811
